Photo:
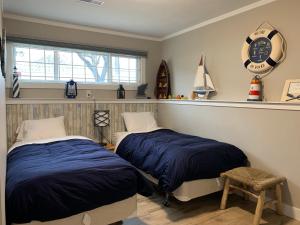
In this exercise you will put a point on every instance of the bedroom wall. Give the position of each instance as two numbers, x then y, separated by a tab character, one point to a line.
222	41
53	33
270	138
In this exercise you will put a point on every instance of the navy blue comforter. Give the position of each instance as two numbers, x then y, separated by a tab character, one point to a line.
59	179
174	158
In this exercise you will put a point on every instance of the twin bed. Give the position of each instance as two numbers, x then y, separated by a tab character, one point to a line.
53	178
184	166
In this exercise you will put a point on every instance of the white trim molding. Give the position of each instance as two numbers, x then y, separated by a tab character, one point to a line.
291	212
132	35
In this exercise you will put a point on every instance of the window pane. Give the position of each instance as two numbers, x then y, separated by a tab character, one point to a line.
133	76
124	63
23	68
90	76
59	64
103	61
22	54
38	70
77	59
65	72
124	75
103	74
65	58
49	56
115	75
49	72
37	55
132	64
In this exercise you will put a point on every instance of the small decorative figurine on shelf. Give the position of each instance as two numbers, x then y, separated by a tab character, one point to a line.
141	91
163	88
256	88
203	85
121	92
16	87
71	89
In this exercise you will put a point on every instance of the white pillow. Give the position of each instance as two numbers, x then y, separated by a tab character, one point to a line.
31	130
139	121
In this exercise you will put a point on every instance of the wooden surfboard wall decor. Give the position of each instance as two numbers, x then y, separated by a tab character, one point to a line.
163	88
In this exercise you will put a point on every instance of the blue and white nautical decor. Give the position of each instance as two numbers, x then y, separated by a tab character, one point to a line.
16	86
71	89
203	85
263	50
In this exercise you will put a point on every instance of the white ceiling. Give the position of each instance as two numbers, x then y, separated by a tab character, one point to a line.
153	18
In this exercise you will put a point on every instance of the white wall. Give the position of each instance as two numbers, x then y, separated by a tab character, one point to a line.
270	138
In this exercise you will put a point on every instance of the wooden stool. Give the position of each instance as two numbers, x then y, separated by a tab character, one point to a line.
257	180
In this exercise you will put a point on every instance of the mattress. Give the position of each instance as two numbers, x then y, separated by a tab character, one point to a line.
53	180
174	158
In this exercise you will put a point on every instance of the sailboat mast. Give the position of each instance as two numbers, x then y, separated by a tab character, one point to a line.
204	72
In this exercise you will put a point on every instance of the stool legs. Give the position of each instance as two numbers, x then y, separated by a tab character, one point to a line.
225	194
278	193
259	207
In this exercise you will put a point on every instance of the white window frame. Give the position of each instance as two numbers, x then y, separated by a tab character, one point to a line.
61	84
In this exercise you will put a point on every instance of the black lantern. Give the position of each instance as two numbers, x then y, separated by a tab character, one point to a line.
121	92
71	89
101	119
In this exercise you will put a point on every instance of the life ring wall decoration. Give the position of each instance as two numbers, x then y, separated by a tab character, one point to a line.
263	50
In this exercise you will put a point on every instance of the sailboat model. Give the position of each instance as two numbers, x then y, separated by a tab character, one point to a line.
203	84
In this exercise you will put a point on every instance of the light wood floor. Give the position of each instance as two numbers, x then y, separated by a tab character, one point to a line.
202	211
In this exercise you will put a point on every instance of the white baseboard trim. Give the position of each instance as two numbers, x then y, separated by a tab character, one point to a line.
291	212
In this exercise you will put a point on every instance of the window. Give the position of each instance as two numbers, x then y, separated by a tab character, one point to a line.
38	63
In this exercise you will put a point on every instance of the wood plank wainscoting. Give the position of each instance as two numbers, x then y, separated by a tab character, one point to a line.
78	115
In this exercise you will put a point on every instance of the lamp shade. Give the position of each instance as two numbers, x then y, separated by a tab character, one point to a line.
101	118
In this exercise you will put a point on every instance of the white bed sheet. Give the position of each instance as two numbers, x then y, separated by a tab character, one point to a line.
119	136
42	141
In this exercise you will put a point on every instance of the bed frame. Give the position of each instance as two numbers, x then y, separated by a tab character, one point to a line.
101	216
190	189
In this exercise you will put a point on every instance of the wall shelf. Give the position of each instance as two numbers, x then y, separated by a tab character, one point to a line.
237	104
213	103
24	101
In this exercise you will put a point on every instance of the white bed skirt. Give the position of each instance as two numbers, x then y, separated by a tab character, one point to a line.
101	216
193	189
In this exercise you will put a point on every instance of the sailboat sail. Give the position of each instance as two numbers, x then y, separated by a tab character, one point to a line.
203	82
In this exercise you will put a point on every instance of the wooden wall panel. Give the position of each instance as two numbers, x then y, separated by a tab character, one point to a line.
78	116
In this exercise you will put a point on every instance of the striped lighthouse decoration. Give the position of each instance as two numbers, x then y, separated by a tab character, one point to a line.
255	93
16	87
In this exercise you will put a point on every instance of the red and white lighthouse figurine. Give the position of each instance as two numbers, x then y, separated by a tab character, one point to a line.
255	93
